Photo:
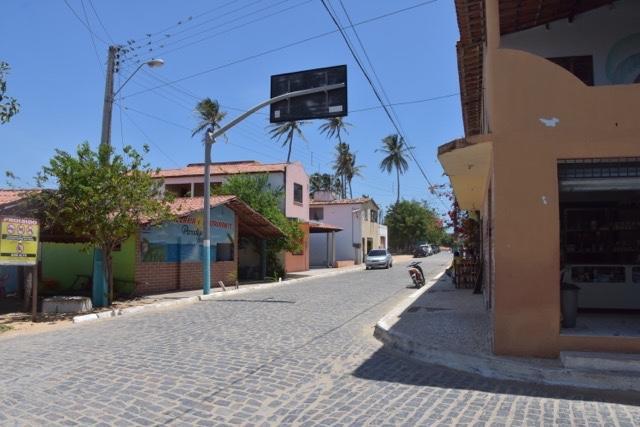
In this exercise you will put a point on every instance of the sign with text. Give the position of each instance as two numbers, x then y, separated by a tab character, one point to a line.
181	240
18	241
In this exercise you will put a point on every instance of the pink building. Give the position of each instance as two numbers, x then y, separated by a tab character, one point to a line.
290	177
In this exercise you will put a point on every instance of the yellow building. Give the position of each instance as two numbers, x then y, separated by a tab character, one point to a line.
551	161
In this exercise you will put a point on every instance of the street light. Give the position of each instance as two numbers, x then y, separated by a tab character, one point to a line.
99	279
109	94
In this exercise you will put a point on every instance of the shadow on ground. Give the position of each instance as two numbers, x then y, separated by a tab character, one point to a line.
384	365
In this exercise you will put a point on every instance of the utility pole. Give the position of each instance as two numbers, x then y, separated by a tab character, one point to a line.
206	239
108	96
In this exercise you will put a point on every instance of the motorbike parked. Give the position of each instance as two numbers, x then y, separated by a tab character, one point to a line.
416	273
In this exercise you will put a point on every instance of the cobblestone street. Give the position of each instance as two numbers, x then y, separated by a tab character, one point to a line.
299	354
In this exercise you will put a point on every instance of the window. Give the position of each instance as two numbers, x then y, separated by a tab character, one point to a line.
297	193
224	252
374	216
178	190
316	214
198	188
579	66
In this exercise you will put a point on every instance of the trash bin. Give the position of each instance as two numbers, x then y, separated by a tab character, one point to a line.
569	304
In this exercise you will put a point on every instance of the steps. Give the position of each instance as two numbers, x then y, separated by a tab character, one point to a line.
612	362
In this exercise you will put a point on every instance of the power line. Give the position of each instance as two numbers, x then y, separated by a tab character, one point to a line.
91	35
417	101
95	12
219	33
83	23
375	90
147	136
286	46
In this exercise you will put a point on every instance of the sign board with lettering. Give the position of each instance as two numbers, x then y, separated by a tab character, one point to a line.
181	240
19	241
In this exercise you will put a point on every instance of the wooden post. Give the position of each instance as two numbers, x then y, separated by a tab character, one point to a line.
27	287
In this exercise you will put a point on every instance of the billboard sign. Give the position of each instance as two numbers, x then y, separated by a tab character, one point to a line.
19	241
324	104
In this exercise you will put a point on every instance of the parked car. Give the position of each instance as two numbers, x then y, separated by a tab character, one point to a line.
422	251
378	258
435	249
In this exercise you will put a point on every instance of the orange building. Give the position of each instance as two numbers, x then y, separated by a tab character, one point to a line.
551	163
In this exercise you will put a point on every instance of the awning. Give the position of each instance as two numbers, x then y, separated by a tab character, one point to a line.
467	162
320	227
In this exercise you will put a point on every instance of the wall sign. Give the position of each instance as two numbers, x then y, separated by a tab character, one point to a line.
181	240
18	241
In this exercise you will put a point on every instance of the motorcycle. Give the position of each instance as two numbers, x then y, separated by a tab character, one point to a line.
416	273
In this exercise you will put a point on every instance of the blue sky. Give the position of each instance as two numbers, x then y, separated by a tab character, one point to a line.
58	77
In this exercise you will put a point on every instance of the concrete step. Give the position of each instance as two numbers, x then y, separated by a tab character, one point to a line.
613	362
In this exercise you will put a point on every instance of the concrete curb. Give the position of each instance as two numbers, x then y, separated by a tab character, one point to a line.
83	318
495	367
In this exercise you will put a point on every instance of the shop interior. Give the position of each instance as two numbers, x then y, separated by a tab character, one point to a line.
600	244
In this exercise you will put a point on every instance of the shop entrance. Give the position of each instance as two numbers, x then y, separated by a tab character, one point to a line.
600	243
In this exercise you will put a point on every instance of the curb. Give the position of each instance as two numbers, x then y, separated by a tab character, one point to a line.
494	367
82	318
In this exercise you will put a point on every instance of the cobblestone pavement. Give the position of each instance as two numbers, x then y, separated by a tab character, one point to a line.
295	355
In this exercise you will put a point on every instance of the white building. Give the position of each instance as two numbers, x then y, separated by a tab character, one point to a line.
359	221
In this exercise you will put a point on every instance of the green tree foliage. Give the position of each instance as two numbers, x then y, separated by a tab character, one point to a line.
410	223
209	116
345	161
395	150
287	130
324	182
102	197
256	192
8	105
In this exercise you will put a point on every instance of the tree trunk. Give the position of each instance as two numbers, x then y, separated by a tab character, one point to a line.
108	271
350	192
398	183
290	138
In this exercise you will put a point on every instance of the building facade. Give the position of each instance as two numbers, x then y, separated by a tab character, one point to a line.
290	177
551	163
359	221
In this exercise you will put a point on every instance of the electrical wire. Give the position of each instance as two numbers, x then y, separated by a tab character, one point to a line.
377	93
95	12
286	46
83	23
91	36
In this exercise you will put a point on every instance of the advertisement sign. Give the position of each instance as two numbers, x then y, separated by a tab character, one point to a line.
18	241
181	240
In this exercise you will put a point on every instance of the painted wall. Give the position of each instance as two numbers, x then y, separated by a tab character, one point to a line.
295	174
610	34
601	121
340	216
299	262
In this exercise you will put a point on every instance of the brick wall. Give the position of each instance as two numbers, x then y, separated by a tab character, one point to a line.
154	277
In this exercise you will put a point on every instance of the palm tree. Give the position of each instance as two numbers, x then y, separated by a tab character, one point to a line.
341	165
334	126
353	171
209	116
288	130
395	149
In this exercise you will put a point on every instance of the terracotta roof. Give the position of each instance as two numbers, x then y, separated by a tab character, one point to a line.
321	227
9	196
356	201
249	221
515	15
223	169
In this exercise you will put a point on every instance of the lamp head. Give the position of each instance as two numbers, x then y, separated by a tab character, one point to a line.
155	63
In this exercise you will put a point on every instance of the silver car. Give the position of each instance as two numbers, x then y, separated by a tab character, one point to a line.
378	258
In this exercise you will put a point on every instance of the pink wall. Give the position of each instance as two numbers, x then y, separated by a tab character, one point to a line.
295	174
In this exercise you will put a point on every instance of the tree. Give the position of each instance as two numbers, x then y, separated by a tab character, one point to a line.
411	223
256	192
209	116
8	106
352	171
102	198
287	130
324	182
333	127
395	149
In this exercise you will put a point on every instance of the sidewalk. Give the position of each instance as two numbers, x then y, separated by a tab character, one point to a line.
450	327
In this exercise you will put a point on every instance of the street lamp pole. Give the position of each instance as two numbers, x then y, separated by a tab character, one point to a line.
210	139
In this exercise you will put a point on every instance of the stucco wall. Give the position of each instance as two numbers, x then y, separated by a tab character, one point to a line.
604	33
295	174
340	216
591	122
